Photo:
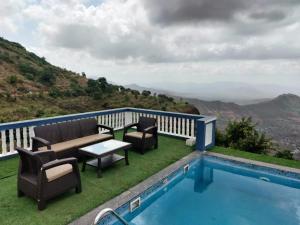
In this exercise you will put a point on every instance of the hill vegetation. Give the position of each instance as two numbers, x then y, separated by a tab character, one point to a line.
279	118
31	87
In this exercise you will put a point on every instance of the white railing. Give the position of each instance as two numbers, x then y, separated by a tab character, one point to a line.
176	124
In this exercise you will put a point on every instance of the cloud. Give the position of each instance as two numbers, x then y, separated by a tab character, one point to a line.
174	12
134	37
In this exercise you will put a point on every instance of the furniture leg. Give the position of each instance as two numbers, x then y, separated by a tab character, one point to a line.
99	172
126	157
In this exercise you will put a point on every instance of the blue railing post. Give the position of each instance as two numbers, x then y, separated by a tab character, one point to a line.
206	133
200	136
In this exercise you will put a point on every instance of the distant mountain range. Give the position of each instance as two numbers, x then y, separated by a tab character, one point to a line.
278	117
240	93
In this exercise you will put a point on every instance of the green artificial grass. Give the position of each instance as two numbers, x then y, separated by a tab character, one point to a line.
69	206
257	157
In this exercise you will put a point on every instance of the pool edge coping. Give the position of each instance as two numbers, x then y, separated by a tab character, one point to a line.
134	191
253	162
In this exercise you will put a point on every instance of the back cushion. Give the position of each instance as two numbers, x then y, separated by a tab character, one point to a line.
69	130
48	132
145	122
88	127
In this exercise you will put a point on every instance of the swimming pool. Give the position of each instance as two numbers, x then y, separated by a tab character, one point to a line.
220	192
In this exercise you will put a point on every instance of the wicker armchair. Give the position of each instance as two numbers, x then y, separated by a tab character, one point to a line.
144	137
42	177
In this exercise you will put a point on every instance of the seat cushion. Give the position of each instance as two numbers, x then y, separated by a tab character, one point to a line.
91	139
58	171
78	142
137	134
62	146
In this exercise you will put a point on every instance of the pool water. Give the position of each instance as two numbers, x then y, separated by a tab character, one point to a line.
216	192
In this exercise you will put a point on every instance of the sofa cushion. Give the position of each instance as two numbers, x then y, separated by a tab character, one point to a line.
88	127
137	134
58	171
91	139
78	142
69	130
50	133
62	146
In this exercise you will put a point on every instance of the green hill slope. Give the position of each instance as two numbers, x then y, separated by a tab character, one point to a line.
31	87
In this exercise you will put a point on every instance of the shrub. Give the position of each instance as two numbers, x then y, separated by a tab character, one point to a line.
146	93
13	79
55	92
47	76
220	138
285	154
243	135
27	68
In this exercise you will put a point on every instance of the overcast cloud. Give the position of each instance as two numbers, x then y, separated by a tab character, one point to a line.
147	41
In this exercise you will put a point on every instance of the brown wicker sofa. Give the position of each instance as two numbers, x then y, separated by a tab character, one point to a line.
42	177
65	138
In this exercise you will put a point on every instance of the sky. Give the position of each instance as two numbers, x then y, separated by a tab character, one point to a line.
153	41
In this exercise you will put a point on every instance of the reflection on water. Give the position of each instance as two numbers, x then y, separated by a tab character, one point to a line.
203	177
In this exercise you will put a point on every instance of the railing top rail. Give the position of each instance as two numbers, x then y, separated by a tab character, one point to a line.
166	113
56	119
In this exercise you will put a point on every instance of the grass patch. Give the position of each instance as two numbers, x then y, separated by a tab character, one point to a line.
69	206
257	157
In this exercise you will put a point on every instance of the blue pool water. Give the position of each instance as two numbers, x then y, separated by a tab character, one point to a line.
217	192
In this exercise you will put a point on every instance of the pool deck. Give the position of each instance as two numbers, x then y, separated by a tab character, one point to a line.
135	191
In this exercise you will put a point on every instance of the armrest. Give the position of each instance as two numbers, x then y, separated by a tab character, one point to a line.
59	162
127	127
42	141
111	130
46	156
151	130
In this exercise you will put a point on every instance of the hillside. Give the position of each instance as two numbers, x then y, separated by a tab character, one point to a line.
279	117
31	87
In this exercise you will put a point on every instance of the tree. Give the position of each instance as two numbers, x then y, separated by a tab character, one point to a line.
146	93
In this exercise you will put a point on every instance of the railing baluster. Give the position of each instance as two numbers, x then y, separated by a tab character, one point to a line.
18	137
179	126
193	128
3	141
158	123
11	140
174	125
25	140
31	134
170	125
163	123
183	126
188	127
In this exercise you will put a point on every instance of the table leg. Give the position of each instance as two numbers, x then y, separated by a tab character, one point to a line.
99	172
83	164
126	157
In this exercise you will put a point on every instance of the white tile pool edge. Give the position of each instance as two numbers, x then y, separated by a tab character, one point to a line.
253	162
